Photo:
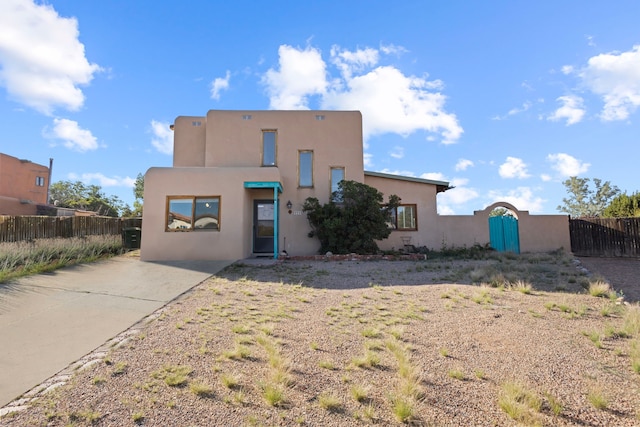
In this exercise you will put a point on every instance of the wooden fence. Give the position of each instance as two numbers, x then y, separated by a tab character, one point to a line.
606	237
20	228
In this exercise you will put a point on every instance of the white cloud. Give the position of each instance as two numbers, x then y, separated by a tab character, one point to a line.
457	196
616	78
459	182
397	172
463	164
567	165
572	109
445	209
42	62
71	135
517	110
567	69
102	180
302	73
397	153
545	177
349	62
434	176
162	137
367	160
390	101
513	167
522	198
391	49
219	84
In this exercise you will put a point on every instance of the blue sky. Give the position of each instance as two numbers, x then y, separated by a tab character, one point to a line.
503	99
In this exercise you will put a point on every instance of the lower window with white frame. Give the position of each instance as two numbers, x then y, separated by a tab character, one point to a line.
404	218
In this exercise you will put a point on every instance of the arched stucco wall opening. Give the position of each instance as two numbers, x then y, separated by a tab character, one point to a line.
502	220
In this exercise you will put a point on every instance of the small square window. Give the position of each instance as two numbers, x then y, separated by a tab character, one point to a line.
196	123
40	181
320	117
246	117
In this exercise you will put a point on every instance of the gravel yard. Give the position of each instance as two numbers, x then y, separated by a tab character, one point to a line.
504	340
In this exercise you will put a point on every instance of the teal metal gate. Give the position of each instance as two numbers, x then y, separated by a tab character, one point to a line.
503	234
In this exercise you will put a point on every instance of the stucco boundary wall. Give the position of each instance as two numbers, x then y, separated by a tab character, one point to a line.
538	233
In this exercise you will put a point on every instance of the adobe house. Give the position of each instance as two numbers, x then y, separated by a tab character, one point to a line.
239	179
23	185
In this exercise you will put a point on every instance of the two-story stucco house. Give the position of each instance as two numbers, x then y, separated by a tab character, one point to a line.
239	179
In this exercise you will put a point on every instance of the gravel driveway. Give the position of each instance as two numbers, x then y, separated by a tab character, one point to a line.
368	343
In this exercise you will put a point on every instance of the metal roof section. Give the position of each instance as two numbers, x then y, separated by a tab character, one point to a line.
441	186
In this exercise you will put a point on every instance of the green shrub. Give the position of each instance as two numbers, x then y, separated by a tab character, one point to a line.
352	220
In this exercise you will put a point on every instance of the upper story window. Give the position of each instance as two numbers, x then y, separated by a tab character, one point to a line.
305	168
269	147
189	213
337	175
40	181
404	218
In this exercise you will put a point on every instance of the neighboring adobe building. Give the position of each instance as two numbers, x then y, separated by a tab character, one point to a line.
239	179
23	186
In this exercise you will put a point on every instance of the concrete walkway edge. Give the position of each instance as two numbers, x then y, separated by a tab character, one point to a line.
53	324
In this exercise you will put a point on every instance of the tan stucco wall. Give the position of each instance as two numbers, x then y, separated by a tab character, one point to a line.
537	233
420	194
542	233
190	133
232	241
461	230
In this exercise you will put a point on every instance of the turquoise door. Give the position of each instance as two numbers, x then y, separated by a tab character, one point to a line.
503	234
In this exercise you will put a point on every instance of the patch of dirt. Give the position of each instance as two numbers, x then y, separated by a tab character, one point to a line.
622	273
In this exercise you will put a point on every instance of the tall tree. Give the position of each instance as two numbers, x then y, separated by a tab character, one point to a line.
138	192
352	220
624	206
77	195
501	212
584	201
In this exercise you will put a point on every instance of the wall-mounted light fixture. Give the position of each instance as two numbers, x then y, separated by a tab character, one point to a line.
289	206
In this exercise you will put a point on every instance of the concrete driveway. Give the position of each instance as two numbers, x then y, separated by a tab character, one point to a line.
48	321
